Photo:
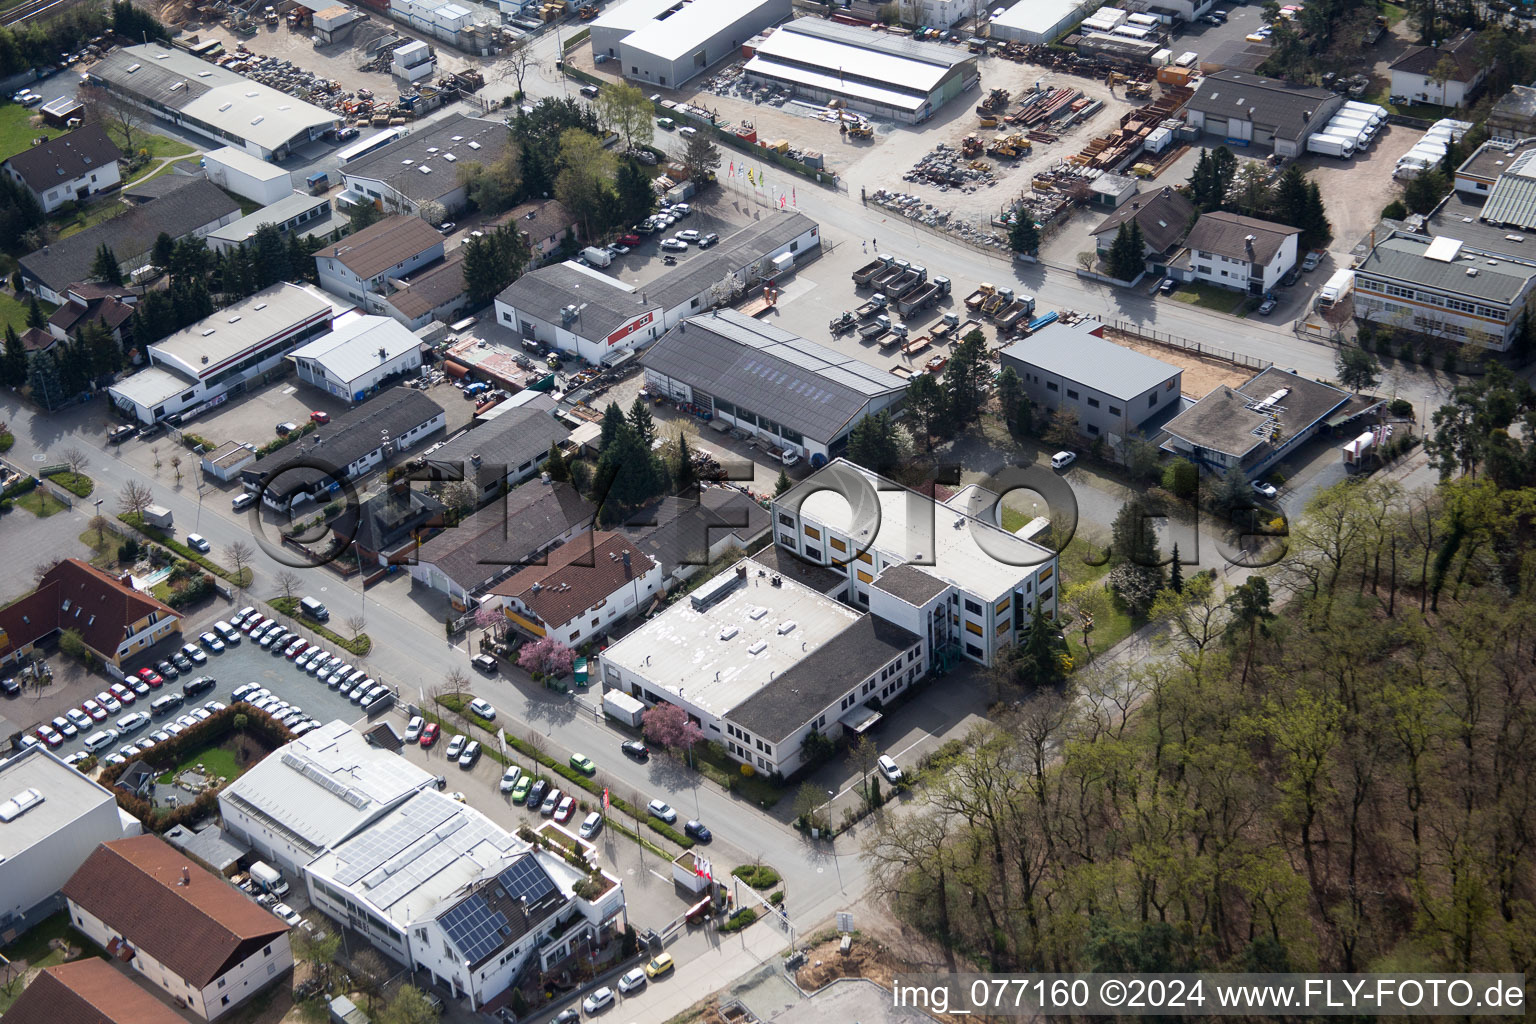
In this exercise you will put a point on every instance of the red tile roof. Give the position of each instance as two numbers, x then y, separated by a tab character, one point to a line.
198	930
77	595
576	576
88	992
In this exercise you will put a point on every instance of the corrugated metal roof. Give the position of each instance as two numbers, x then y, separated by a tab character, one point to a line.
1070	352
1513	199
1403	259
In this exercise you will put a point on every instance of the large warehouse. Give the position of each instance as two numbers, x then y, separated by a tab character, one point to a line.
888	76
792	392
667	42
1035	22
1240	109
214	102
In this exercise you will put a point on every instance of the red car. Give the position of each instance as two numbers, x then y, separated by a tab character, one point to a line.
151	677
428	734
49	735
96	711
630	239
122	693
320	417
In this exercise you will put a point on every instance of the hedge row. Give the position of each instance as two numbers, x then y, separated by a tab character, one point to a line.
159	536
20	487
289	606
7	440
77	484
456	703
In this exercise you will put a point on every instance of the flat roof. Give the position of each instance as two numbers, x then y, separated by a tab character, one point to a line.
1458	216
765	64
691	24
962	546
320	787
216	96
1071	352
1040	15
67	795
246	163
440	147
358	346
805	385
235	329
151	386
681	649
284	209
1498	278
1228	420
419	854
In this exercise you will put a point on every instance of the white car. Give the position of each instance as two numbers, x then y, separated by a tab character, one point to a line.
591	826
455	747
284	911
889	769
111	703
690	235
599	1000
212	642
1061	460
413	729
1266	490
482	708
662	810
633	981
509	778
194	654
197	542
132	722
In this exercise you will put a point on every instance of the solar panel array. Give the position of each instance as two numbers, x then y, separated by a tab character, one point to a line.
525	879
474	928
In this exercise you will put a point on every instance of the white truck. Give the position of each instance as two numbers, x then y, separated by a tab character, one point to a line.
268	879
1335	289
597	257
1330	145
158	516
620	705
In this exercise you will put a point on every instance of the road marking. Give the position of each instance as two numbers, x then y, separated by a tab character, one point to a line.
658	874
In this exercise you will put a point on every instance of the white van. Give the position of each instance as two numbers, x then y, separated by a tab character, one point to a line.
97	740
597	257
314	609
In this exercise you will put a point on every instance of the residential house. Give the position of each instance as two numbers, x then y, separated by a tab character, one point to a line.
1445	75
687	532
114	620
359	266
1113	392
436	293
69	168
90	303
208	945
1513	117
1243	253
384	529
546	222
87	991
1164	217
584	588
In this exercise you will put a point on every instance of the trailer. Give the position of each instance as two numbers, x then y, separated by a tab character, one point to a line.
158	516
974	300
865	274
844	322
923	296
1042	320
893	339
917	345
1358	450
875	328
906	282
890	274
620	705
871	308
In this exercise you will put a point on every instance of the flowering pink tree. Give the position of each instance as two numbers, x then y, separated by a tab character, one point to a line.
670	726
546	655
490	618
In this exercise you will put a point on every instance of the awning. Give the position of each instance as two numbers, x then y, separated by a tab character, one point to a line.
859	719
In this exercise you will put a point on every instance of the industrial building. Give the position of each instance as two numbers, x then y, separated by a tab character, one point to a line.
891	77
314	793
943	569
790	392
296	211
1250	428
760	660
1036	22
502	451
438	887
208	945
576	309
667	42
216	103
201	366
51	818
1113	391
237	171
467	26
357	358
423	166
1243	109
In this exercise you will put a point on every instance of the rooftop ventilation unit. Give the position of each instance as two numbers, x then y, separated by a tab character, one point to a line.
729	632
787	626
758	648
713	591
757	613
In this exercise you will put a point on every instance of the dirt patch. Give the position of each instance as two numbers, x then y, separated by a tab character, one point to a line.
868	958
1202	374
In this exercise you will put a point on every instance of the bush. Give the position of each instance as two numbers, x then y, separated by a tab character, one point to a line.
198	588
196	441
739	920
20	487
6	505
1401	408
1181	478
758	876
7	439
136	521
1395	210
128	551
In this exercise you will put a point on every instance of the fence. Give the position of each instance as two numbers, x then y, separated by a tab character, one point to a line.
1159	338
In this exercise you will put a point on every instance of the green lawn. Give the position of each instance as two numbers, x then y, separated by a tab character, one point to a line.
17	130
39	502
155	146
103	554
34	948
1394	13
216	760
13	311
88	216
190	161
1209	296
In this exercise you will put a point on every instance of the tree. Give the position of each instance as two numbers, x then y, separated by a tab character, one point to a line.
461	497
1087	602
1024	233
669	726
875	443
862	756
121	118
624	109
1424	192
134	498
1175	572
1290	197
1211	179
1445	70
493	187
407	1006
640	420
362	215
808	809
176	467
35	315
585	181
702	158
546	655
1038	660
289	584
782	484
13	362
1063	430
555	465
1126	261
369	972
1358	369
1316	231
493	261
76	460
308	948
163	252
1251	188
519	58
1181	478
355	626
965	378
636	197
239	555
927	407
1251	616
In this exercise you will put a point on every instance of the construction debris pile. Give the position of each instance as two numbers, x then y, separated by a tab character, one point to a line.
916	209
950	168
1096	65
1109	152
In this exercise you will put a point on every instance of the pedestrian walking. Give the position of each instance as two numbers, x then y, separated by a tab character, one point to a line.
877	244
866	246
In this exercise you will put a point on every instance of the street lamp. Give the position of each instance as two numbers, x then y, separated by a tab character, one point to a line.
831	795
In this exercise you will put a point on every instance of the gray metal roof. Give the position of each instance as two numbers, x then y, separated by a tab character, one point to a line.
803	385
1070	352
735	252
864	39
542	293
1288	109
503	444
1513	199
1401	259
284	209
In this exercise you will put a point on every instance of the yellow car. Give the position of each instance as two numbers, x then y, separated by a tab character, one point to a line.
661	964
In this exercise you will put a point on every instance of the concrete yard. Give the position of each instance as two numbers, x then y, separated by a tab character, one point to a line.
1354	191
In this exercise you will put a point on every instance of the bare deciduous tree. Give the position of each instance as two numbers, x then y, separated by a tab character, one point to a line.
176	465
99	524
355	625
135	498
456	681
76	460
121	118
520	60
239	554
42	569
288	584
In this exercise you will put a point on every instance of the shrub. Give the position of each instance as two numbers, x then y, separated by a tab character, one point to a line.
128	551
6	505
7	439
739	920
758	876
1401	408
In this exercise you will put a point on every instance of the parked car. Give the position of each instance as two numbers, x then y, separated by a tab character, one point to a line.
483	708
599	1000
661	963
688	235
551	803
1310	261
1266	490
536	793
194	654
413	729
889	769
1267	306
96	711
673	245
1061	460
111	703
633	981
485	663
152	677
320	417
696	829
197	542
211	642
708	239
520	791
566	808
591	825
584	764
243	501
635	749
662	810
630	239
1167	287
510	778
456	746
64	727
286	914
428	734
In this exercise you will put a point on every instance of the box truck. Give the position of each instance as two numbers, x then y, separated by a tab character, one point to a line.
1330	145
268	878
597	257
158	516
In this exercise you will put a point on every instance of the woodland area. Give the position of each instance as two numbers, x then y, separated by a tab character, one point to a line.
1330	769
